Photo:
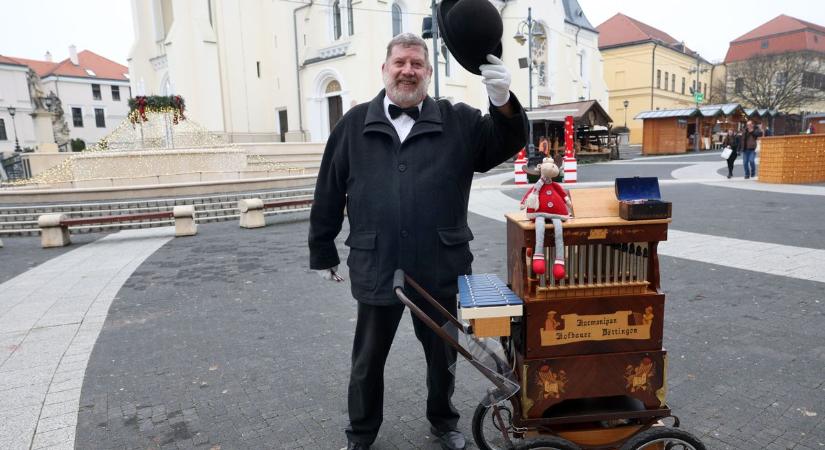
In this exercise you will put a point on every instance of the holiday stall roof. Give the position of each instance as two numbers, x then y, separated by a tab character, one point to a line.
587	112
726	109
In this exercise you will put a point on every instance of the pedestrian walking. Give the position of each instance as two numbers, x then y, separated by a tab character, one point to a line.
747	144
544	146
402	165
730	140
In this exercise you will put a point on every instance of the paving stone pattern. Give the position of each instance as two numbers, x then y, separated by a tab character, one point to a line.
226	340
594	172
20	254
50	318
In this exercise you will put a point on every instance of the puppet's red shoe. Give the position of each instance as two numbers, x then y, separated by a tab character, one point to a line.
558	269
538	264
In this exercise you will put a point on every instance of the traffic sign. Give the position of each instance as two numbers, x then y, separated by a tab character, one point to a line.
700	97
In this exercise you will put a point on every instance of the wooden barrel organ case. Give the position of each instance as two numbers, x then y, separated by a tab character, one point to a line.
587	349
592	341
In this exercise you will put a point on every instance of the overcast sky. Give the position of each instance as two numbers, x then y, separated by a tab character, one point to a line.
30	27
706	26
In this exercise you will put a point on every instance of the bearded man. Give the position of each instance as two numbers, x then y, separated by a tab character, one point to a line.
402	165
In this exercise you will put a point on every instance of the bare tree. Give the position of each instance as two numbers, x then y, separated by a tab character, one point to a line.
717	94
783	82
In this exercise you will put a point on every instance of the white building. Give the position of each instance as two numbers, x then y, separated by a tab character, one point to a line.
14	93
263	70
93	92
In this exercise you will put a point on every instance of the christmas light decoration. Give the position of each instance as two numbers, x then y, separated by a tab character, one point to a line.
155	132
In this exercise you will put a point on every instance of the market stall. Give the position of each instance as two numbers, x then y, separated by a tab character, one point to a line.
593	129
672	131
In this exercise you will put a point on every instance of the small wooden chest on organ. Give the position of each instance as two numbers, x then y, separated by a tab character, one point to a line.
639	198
594	336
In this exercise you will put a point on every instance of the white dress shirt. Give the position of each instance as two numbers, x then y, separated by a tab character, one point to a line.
403	123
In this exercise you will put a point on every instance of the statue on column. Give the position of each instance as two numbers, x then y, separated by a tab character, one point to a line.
36	91
41	116
59	125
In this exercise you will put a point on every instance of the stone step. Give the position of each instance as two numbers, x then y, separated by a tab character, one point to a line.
207	209
99	208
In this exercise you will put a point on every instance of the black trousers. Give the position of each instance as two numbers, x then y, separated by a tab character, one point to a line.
731	159
374	333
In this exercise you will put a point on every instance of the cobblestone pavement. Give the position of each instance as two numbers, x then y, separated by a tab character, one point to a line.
225	340
20	255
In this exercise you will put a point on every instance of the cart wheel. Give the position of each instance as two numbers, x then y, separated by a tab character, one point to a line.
663	438
487	433
549	443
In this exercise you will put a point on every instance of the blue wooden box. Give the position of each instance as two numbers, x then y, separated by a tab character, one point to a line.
640	199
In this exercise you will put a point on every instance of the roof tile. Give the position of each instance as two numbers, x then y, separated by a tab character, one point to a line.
103	68
621	29
777	25
782	34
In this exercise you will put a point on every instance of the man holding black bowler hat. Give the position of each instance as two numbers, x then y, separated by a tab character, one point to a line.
402	165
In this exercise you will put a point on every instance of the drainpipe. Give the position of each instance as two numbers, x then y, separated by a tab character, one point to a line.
652	73
298	66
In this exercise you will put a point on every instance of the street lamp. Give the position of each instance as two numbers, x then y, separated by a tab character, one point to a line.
12	112
625	103
534	33
696	93
429	29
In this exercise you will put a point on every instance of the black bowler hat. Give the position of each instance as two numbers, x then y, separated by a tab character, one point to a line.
472	30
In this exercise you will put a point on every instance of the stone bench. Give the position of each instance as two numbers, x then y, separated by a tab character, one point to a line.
252	210
54	228
252	213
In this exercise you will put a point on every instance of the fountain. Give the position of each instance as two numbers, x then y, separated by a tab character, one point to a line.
156	145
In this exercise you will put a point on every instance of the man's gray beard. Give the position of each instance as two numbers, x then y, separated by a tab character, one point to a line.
407	98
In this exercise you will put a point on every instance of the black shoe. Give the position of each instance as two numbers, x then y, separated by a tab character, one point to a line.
450	440
747	176
729	175
356	446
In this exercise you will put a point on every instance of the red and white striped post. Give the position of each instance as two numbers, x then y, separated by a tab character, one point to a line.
518	168
569	155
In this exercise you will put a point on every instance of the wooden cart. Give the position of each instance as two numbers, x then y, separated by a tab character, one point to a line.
586	350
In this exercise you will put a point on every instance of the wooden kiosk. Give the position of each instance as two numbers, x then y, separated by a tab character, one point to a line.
591	343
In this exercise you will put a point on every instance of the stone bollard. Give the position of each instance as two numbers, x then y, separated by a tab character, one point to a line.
52	233
252	213
185	220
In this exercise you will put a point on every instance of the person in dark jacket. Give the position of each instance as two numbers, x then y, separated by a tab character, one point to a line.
731	140
402	165
747	145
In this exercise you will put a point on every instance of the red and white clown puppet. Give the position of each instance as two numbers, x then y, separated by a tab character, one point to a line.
548	200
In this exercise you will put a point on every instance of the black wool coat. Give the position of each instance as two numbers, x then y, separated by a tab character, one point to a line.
406	202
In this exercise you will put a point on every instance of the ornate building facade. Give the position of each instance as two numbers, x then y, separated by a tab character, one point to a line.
262	70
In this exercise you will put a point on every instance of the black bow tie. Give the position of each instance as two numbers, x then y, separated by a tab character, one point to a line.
396	111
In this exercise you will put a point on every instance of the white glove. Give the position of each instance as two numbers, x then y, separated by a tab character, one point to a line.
330	274
497	79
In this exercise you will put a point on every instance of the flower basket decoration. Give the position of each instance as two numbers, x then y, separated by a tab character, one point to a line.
165	104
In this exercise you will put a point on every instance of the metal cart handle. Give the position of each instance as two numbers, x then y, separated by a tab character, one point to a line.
398	287
399	279
441	309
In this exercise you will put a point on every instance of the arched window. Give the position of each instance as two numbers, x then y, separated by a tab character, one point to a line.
350	21
333	87
396	19
336	20
334	103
